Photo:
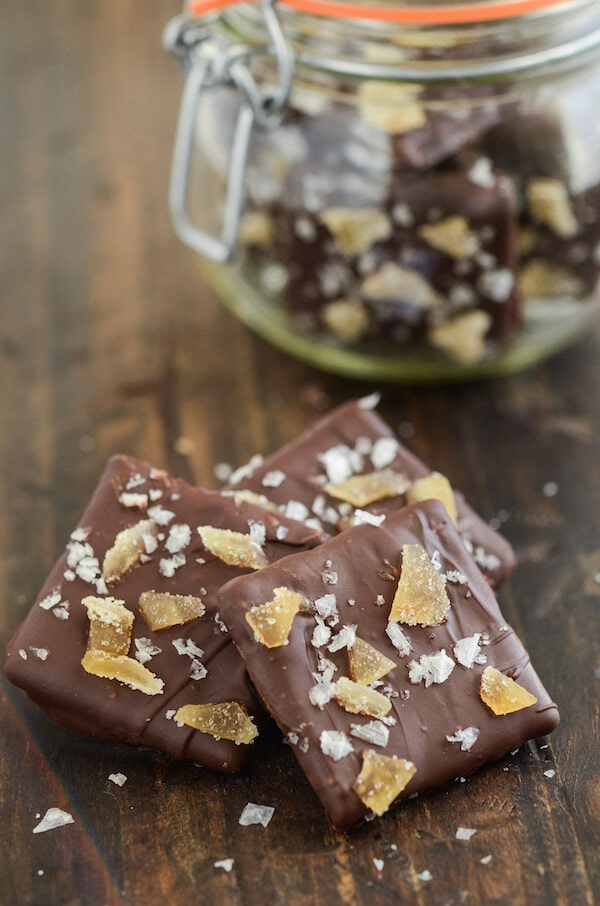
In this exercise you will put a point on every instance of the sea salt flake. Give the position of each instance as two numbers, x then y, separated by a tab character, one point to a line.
62	612
23	654
378	863
465	833
54	817
363	517
335	744
486	859
225	864
467	651
273	479
344	638
51	600
321	694
256	814
424	875
169	565
321	634
145	650
384	452
295	509
340	463
118	779
40	653
161	515
549	773
179	537
398	639
455	577
187	646
467	738
431	668
133	501
374	732
326	606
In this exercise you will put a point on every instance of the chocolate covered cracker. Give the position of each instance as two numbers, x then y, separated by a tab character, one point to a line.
385	660
316	478
125	642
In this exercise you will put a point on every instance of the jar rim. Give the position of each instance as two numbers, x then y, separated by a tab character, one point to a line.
454	14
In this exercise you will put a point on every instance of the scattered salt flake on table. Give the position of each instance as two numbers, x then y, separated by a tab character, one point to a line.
424	875
378	863
486	859
117	779
549	773
54	817
550	489
225	864
465	833
256	814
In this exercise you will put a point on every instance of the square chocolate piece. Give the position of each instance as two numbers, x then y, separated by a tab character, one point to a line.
126	629
386	662
313	478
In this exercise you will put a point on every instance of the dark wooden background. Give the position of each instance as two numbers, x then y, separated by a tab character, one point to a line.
109	341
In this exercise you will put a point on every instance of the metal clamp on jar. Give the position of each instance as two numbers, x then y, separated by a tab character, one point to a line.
403	193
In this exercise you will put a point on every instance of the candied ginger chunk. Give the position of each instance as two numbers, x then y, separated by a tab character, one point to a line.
359	699
421	598
367	664
272	621
356	229
434	487
124	669
162	610
233	548
502	694
223	720
382	778
452	236
126	550
110	625
360	490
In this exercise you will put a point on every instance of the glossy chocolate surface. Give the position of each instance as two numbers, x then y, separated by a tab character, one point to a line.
294	476
360	568
44	657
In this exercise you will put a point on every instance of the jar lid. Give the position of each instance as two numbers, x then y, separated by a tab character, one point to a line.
480	11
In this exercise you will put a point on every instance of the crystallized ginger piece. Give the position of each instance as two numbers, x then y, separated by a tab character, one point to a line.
233	548
355	698
161	610
355	230
366	663
421	598
549	202
452	236
124	669
246	496
110	625
360	490
223	720
463	337
502	694
126	550
381	780
271	622
392	107
434	487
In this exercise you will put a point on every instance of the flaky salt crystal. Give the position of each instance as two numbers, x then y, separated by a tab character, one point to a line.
256	814
54	817
335	744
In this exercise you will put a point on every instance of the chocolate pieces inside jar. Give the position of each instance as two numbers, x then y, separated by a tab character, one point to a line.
378	707
412	221
125	642
308	479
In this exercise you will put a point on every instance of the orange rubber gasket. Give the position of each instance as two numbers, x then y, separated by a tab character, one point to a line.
449	15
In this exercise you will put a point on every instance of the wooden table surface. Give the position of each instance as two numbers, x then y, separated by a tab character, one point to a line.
109	341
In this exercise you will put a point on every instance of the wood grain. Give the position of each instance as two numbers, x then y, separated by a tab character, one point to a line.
110	341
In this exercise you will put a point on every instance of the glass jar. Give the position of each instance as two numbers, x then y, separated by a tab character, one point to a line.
404	193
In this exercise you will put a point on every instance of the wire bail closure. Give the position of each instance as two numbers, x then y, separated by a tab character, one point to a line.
207	65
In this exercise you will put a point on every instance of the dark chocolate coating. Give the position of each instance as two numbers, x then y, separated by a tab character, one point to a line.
367	561
300	461
106	709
